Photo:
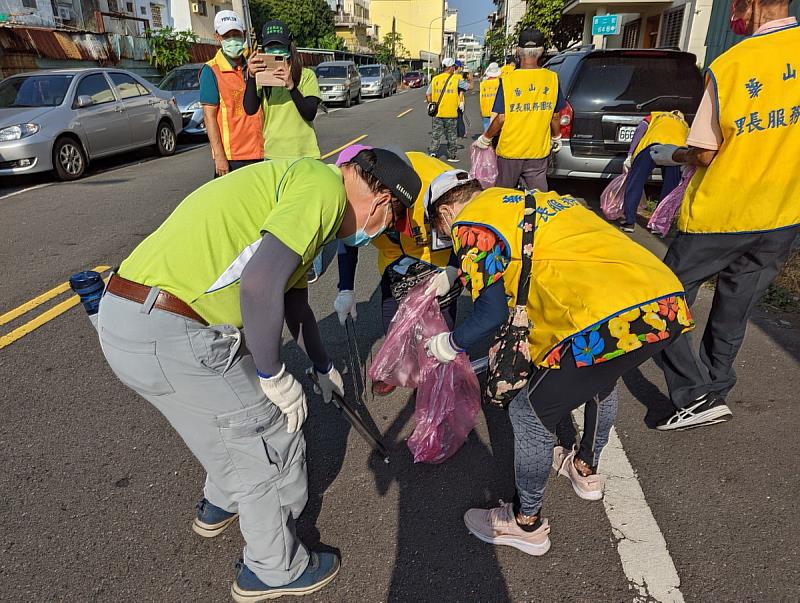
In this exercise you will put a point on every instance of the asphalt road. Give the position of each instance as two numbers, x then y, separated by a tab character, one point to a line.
98	491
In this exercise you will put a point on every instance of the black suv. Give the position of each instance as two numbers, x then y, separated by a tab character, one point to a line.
608	93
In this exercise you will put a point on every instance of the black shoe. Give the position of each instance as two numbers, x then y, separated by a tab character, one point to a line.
627	227
707	410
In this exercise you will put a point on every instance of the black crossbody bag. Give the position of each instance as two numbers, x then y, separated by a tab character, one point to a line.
433	108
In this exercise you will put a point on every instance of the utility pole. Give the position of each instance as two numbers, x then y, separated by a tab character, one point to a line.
394	35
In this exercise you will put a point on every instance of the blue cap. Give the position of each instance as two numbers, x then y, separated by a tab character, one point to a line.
459	63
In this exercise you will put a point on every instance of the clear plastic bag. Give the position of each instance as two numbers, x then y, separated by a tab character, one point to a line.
612	199
483	166
448	395
662	217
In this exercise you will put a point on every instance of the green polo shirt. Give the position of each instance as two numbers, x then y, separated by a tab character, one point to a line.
200	250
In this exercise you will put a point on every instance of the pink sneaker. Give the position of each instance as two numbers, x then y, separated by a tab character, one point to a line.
498	526
588	487
559	454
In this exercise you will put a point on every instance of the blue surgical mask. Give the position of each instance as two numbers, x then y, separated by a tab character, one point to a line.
233	47
360	237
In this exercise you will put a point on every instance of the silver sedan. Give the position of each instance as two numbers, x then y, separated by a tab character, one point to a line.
62	119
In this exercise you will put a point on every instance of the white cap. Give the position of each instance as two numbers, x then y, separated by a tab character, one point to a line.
444	182
448	62
493	70
226	20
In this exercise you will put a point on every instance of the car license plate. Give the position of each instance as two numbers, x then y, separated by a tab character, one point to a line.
625	133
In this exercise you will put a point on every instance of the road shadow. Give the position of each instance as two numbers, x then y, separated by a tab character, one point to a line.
658	406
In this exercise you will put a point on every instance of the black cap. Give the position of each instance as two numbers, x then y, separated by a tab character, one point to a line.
275	32
531	38
394	173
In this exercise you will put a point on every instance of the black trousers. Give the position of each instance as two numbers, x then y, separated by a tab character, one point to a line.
745	264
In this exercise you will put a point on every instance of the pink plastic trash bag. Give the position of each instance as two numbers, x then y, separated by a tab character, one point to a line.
662	217
612	199
483	166
448	395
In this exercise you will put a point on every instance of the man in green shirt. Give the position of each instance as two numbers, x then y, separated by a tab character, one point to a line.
227	265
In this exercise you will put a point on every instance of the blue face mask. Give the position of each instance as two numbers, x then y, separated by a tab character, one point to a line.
360	237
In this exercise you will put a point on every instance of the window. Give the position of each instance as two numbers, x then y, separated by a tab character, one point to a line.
143	10
181	79
96	87
630	35
155	10
113	6
29	4
217	8
201	7
129	6
671	27
34	91
127	86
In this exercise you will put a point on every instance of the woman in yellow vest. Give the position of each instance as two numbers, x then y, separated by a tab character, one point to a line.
488	90
660	127
599	305
407	247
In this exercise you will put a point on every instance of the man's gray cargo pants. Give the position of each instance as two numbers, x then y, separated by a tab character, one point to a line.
203	380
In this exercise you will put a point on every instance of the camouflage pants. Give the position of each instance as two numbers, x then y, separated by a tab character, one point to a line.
444	127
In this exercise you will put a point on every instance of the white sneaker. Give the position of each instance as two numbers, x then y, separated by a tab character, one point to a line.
706	411
499	526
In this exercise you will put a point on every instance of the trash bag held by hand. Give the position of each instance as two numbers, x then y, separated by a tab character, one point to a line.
613	197
662	217
483	166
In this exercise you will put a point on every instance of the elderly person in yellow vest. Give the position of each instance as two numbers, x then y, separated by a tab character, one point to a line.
405	251
445	92
527	104
598	305
741	212
488	91
234	137
657	128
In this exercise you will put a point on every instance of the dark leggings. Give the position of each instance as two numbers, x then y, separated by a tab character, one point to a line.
389	306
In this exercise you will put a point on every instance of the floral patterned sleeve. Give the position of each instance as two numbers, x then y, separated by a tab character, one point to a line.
483	257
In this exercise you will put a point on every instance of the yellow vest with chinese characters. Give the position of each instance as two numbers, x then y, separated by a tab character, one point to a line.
584	270
392	247
449	105
665	128
530	97
506	69
753	183
488	91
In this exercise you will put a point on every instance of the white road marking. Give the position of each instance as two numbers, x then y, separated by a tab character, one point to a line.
25	190
640	544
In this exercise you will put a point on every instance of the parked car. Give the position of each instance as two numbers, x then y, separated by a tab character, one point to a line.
184	83
62	119
414	79
608	93
339	82
376	80
397	79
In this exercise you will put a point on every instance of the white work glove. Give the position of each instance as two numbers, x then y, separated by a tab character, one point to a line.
482	142
285	392
345	305
329	383
628	163
662	154
555	143
442	282
440	347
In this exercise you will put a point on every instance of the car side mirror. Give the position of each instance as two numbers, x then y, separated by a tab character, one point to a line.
84	100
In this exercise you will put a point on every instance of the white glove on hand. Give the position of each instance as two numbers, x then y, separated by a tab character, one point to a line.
442	282
482	142
285	392
628	163
345	305
662	154
329	383
440	347
555	143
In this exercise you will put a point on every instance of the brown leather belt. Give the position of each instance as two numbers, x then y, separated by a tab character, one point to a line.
138	293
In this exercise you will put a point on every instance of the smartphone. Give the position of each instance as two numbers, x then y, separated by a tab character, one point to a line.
267	77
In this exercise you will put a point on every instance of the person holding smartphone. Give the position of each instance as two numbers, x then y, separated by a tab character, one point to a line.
290	108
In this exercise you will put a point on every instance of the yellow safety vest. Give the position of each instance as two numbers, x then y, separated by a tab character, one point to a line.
488	91
584	270
391	247
449	105
752	185
530	97
664	128
506	69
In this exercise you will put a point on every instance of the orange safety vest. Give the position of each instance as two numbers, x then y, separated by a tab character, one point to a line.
242	134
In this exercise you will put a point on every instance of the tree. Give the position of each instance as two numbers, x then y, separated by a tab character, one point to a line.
309	21
560	31
498	44
170	48
332	42
390	50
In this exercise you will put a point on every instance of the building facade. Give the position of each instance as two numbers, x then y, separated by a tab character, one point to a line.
507	14
419	22
470	51
352	21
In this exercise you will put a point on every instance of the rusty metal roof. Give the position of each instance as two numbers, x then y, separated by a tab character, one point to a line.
58	44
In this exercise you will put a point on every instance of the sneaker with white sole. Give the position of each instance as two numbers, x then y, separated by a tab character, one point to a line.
559	454
708	410
210	520
321	570
499	526
587	487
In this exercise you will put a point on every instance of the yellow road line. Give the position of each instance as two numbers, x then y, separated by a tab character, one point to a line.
37	322
406	112
40	299
344	146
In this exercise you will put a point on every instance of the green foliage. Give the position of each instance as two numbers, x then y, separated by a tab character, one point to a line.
309	21
332	42
561	31
498	43
170	48
391	50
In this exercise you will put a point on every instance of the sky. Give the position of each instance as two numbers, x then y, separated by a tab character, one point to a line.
470	11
